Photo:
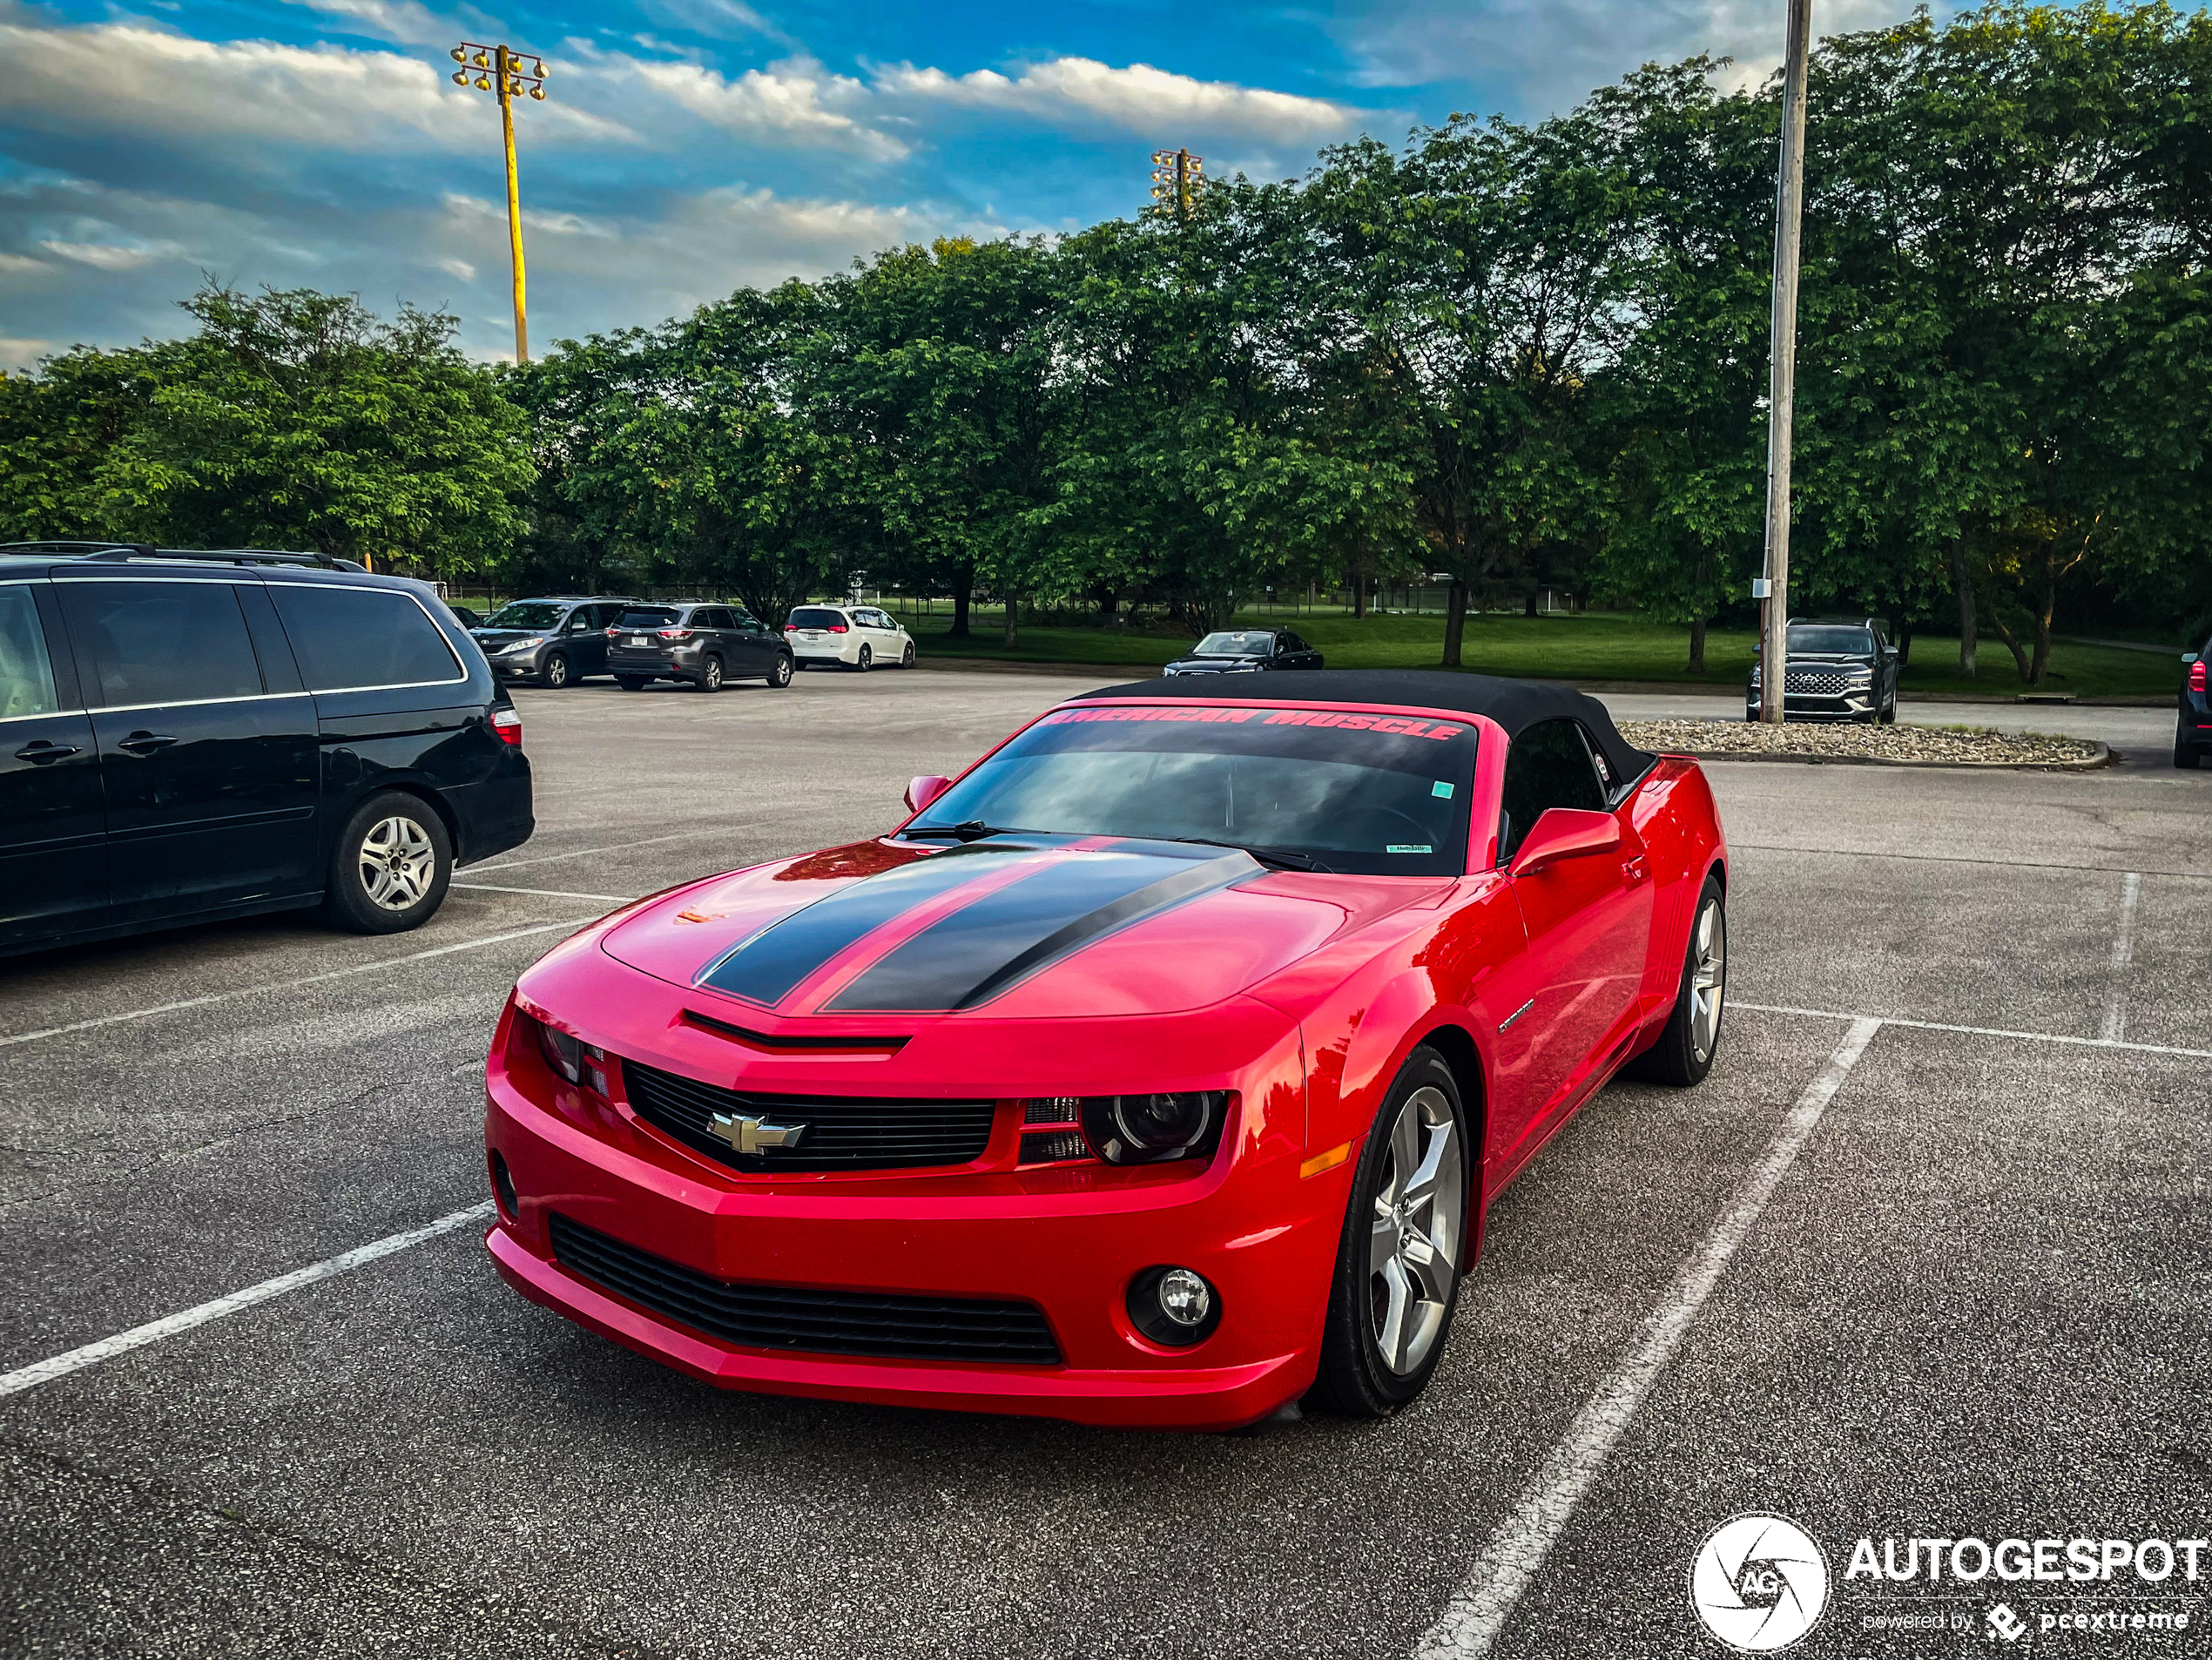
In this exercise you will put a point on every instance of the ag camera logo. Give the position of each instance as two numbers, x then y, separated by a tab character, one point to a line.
1759	1583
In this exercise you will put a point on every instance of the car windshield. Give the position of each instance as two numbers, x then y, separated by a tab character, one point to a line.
816	617
527	613
1831	640
1251	643
654	617
1361	792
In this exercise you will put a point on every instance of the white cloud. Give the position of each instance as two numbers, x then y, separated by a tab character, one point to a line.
1554	53
16	353
459	268
112	256
21	262
796	100
408	22
150	82
1139	98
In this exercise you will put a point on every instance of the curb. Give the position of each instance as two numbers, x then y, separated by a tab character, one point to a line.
2103	756
1099	673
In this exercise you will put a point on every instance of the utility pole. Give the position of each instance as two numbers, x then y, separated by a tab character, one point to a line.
1790	196
1176	176
498	69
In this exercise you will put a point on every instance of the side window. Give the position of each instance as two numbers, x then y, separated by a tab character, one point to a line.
1291	643
26	672
1548	766
746	620
347	638
581	619
163	641
718	616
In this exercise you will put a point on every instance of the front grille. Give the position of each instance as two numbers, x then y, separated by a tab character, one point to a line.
1818	683
840	1135
821	1322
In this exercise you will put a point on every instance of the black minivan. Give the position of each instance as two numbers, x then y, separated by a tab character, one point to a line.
189	735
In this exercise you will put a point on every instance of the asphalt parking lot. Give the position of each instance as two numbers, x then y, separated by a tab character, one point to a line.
1964	1293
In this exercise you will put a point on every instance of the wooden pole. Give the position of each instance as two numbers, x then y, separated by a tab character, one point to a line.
1790	194
504	69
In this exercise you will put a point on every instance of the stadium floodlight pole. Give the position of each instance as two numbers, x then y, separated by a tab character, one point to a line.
1176	177
1789	196
499	69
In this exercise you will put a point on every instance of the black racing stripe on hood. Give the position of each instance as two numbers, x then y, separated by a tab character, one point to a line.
1013	931
765	968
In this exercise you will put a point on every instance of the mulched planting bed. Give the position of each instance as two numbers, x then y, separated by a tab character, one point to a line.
1894	746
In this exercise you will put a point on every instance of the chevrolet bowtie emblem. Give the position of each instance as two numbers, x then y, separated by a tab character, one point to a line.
752	1135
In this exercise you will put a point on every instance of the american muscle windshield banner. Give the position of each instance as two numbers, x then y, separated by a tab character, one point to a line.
1404	725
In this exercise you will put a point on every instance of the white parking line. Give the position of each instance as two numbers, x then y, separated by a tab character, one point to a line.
139	1337
545	893
1517	1550
147	1013
2124	952
1981	1031
625	847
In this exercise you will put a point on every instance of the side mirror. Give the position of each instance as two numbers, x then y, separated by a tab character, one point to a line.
924	790
1565	832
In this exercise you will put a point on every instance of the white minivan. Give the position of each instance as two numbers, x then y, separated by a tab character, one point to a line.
853	636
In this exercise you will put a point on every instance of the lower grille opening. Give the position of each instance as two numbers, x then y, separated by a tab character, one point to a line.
820	1322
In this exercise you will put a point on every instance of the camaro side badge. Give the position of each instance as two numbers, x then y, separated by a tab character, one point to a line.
751	1135
1516	1014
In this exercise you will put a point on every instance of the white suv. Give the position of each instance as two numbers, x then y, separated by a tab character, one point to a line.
857	636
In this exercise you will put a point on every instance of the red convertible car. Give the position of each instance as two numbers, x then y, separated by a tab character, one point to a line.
1157	1071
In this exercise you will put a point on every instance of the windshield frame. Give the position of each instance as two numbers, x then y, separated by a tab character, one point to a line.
1476	847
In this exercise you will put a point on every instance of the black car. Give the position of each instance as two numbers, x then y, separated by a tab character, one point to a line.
700	645
554	642
1241	651
469	617
190	735
2193	726
1839	669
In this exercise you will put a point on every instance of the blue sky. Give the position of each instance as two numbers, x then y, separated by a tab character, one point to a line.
686	148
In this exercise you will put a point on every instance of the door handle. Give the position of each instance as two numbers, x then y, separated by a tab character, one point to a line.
39	750
144	743
1637	869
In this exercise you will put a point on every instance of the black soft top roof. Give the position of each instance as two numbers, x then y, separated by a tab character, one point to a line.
1515	704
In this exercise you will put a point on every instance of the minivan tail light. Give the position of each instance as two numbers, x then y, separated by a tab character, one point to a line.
676	634
791	628
839	628
2196	675
509	726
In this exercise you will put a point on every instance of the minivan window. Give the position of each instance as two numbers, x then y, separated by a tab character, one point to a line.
351	639
526	613
817	617
648	616
164	642
26	674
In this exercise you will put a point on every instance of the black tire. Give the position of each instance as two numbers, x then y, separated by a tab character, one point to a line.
632	682
1889	711
1356	1379
2187	755
709	675
906	658
865	661
406	829
555	674
779	676
1676	1058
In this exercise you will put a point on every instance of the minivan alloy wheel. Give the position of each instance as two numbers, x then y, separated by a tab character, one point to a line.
556	671
397	863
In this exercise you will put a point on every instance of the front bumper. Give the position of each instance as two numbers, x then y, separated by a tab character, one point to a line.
1066	1239
1857	704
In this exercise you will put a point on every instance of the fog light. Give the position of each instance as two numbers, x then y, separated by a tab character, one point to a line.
502	1187
1184	1298
1174	1307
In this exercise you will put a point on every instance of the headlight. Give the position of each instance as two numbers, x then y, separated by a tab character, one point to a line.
1153	1129
530	644
570	1057
1858	671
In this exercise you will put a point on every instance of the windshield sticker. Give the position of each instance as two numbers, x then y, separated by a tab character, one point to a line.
1409	847
1401	725
1440	788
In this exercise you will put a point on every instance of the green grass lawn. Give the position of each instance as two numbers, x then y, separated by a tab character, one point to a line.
1590	647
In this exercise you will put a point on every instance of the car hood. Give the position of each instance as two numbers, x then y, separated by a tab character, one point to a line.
1010	928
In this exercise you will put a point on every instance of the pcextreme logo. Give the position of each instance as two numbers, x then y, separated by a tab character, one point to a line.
1759	1583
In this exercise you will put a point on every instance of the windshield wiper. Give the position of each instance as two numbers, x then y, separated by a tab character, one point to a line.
973	830
1273	857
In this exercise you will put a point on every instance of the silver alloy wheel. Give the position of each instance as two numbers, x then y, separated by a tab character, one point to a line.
1708	980
397	863
556	671
711	675
1413	1253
